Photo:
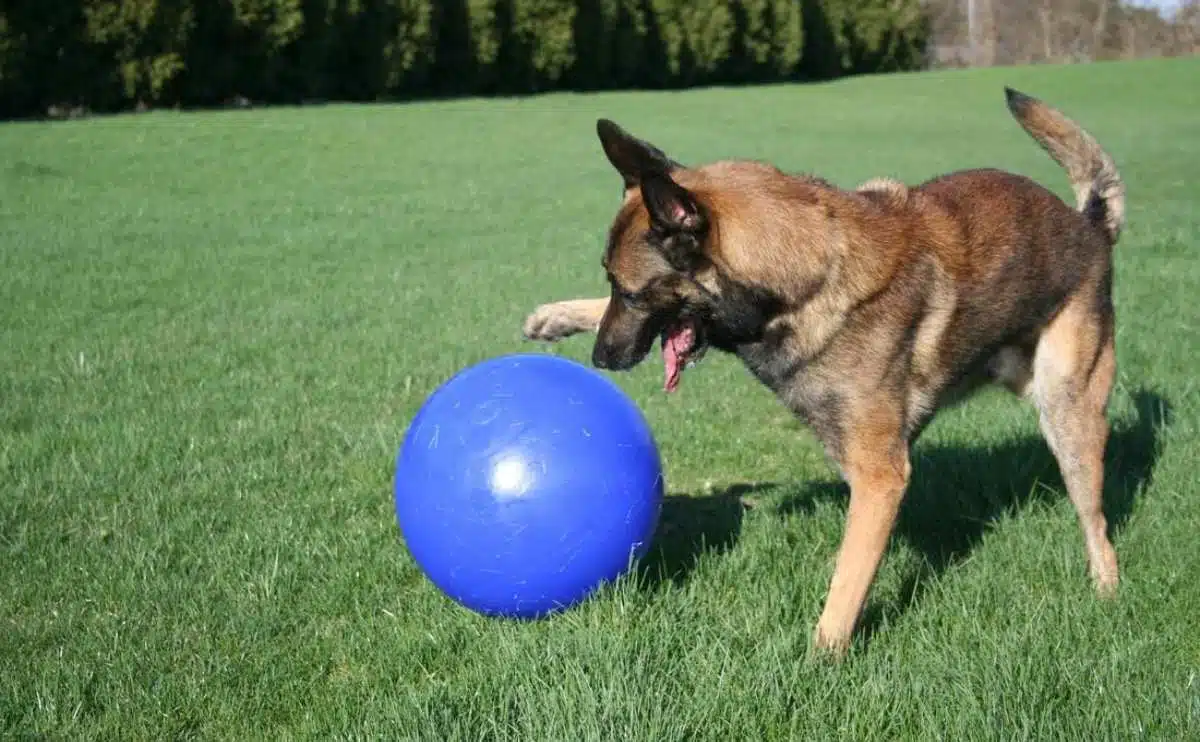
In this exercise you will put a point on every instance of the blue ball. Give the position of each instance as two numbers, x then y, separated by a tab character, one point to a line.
525	482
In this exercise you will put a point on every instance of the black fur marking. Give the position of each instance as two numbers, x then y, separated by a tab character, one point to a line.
1095	209
683	250
1017	101
633	158
627	337
740	316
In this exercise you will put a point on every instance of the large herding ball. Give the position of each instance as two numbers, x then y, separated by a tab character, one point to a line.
525	482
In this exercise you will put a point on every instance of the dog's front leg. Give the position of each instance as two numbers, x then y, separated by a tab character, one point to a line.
876	464
560	319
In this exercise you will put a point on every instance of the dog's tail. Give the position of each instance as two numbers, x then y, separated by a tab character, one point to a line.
1099	191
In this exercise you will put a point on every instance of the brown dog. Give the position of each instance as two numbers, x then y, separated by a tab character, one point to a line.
866	311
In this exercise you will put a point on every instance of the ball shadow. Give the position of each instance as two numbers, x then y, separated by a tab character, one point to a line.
957	494
691	527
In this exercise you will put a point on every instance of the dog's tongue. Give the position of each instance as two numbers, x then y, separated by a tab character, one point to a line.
675	347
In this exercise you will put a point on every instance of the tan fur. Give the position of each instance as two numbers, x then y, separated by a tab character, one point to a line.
565	318
895	191
866	311
1090	169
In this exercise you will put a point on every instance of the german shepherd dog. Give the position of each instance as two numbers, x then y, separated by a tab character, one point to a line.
866	311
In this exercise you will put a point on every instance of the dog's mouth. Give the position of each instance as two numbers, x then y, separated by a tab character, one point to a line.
682	347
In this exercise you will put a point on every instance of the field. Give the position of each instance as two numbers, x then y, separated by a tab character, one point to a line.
215	327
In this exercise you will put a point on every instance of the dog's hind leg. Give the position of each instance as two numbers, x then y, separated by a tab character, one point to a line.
560	319
1073	371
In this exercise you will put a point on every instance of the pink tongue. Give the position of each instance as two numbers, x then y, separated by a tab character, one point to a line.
675	347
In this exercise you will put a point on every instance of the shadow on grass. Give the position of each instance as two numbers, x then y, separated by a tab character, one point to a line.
691	527
956	495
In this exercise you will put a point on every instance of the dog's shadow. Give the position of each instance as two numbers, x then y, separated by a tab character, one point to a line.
955	496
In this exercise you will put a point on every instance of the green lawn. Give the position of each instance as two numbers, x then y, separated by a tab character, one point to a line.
216	326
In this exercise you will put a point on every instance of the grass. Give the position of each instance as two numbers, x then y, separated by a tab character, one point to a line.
216	326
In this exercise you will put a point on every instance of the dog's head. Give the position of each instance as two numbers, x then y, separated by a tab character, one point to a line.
658	262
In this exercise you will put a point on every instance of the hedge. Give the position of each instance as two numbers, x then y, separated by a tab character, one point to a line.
114	54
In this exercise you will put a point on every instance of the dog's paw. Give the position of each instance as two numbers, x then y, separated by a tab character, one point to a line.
1105	585
829	646
551	322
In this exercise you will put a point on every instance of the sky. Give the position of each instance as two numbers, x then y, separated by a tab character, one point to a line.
1166	5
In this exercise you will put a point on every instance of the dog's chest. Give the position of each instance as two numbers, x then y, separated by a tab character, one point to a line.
770	358
799	379
788	349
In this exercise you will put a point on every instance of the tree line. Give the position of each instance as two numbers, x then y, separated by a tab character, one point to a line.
113	55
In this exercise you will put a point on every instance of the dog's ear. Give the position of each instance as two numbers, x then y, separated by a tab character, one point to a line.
634	159
677	219
672	208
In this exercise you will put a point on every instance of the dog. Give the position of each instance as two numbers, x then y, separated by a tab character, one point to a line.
866	311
